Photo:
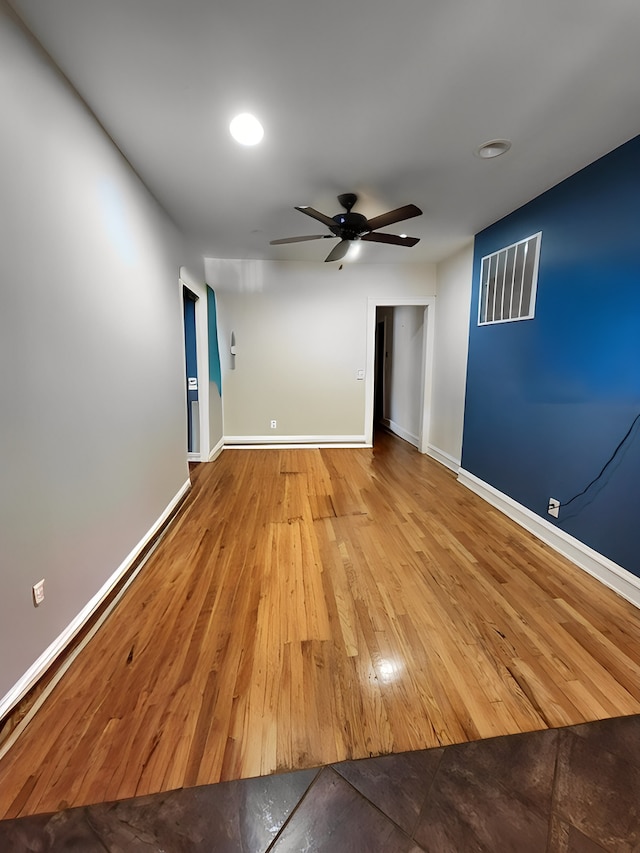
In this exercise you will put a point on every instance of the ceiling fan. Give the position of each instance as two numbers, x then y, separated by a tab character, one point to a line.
354	226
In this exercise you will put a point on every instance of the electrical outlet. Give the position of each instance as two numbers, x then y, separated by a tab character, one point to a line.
553	507
274	424
38	593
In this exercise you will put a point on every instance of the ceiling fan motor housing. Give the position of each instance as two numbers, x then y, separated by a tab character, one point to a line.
350	226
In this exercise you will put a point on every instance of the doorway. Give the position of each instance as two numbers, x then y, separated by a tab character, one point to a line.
380	383
189	300
399	367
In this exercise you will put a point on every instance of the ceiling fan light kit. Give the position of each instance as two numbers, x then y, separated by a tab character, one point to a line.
352	226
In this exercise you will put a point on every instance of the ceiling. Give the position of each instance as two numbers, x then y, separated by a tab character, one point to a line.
388	100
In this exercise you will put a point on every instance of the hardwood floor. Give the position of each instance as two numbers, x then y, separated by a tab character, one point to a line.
310	606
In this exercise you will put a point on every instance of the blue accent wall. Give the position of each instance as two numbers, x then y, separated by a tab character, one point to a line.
215	372
191	362
549	399
191	357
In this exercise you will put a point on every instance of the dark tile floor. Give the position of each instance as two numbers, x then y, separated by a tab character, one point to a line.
573	790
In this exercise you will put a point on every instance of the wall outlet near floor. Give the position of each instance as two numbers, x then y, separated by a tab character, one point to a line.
274	424
38	593
553	507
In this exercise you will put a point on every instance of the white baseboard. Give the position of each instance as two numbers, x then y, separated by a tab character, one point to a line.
444	458
255	442
402	432
605	570
217	450
37	670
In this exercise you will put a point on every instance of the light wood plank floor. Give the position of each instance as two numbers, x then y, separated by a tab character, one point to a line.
309	606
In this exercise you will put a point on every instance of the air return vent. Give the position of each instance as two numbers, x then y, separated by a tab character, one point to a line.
508	281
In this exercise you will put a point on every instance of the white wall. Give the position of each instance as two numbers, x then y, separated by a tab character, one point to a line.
450	357
93	429
301	337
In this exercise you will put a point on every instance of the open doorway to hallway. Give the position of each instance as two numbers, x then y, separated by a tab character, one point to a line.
401	346
399	370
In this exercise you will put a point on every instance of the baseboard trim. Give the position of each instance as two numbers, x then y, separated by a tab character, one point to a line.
616	577
47	658
444	458
396	429
217	450
261	442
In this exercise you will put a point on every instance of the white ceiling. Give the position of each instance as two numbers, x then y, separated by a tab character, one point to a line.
387	99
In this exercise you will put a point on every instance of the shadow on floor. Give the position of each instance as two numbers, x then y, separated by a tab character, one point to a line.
573	790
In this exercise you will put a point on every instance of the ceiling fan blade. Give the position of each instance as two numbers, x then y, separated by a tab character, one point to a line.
299	239
339	251
395	239
397	215
321	217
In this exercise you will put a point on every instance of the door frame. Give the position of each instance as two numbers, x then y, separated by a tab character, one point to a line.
202	358
429	305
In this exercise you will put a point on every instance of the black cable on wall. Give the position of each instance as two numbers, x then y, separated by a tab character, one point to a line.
606	464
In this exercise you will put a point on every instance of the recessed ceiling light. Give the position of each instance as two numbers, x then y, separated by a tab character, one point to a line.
246	129
494	148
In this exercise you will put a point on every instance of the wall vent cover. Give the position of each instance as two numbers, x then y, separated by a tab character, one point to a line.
508	282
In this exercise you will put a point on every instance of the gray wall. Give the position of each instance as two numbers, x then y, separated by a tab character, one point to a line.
93	430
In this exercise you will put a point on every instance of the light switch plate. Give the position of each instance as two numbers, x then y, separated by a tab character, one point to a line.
38	592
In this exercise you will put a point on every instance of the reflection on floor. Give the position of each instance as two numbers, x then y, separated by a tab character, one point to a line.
573	790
